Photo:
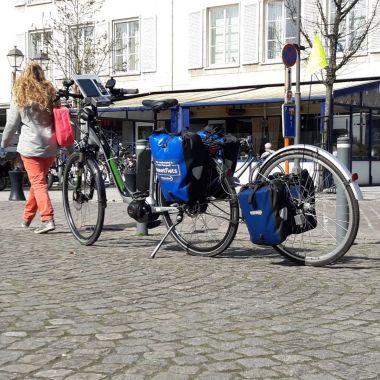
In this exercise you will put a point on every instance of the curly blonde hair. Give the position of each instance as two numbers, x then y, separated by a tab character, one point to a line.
32	88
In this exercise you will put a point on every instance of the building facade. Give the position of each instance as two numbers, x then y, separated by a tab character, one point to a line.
226	47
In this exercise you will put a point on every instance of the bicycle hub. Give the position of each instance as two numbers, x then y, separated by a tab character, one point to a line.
140	211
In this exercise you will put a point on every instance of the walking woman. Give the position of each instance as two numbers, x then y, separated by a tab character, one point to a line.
32	110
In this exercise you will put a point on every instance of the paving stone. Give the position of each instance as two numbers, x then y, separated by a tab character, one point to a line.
53	373
110	312
19	368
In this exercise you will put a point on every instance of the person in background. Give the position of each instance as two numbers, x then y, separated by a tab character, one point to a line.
32	110
268	150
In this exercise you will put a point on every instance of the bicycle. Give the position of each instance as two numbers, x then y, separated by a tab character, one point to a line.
252	161
55	173
206	228
335	214
125	160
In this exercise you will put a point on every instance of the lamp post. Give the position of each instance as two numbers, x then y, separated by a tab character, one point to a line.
15	58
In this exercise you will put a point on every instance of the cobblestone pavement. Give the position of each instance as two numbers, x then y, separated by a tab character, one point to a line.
109	312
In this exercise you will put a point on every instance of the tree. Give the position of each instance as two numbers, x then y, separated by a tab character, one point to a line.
344	26
77	45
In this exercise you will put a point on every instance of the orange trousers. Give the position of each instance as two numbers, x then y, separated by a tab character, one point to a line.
38	199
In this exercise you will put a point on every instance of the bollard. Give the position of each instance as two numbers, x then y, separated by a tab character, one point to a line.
344	156
142	176
16	177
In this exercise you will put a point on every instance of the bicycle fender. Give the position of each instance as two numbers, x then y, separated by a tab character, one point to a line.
324	153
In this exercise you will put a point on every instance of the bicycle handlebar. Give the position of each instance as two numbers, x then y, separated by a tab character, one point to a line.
66	94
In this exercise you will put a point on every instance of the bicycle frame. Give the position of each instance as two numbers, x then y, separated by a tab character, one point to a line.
95	133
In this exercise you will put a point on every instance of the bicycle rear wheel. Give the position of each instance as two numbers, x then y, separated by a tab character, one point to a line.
208	227
84	199
333	207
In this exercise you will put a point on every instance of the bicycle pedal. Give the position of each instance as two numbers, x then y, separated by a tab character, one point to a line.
154	224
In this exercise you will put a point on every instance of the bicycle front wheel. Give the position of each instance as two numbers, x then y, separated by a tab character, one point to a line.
331	209
84	198
208	227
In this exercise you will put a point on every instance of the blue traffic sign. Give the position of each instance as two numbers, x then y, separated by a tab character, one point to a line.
288	120
289	55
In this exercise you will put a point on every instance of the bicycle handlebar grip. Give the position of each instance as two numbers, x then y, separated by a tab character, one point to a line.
65	94
126	91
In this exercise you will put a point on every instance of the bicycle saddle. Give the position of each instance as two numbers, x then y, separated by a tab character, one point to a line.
159	105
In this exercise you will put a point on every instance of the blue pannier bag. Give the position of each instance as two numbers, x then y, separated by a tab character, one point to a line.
266	207
179	161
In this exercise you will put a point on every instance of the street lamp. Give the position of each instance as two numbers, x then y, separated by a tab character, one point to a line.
15	58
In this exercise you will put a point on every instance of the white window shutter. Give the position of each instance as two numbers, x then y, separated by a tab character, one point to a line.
102	37
58	44
309	20
101	30
195	40
250	32
374	35
20	43
148	45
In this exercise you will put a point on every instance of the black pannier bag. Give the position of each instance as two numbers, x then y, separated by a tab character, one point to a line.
266	207
224	147
302	190
179	161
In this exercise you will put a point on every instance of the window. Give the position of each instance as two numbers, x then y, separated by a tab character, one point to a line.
82	38
80	49
39	41
127	43
280	27
352	27
360	136
223	35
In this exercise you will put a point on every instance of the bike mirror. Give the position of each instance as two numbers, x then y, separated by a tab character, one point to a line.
68	82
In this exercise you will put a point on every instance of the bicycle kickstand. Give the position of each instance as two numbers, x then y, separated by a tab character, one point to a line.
178	221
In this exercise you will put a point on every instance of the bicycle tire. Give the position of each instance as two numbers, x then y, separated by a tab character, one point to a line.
3	183
50	180
209	227
336	210
256	167
79	195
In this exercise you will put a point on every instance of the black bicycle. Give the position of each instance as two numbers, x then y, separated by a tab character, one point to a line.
208	226
205	228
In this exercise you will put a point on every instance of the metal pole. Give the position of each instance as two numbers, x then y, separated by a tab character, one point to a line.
141	178
297	97
342	212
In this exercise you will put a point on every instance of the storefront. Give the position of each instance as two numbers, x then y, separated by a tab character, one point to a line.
256	111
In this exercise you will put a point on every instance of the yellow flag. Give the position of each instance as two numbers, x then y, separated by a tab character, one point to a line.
317	59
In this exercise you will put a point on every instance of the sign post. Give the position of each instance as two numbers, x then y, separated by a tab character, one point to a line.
289	58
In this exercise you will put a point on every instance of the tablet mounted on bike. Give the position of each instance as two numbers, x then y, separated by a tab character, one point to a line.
92	88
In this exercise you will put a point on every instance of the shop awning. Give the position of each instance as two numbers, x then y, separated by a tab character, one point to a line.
254	95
